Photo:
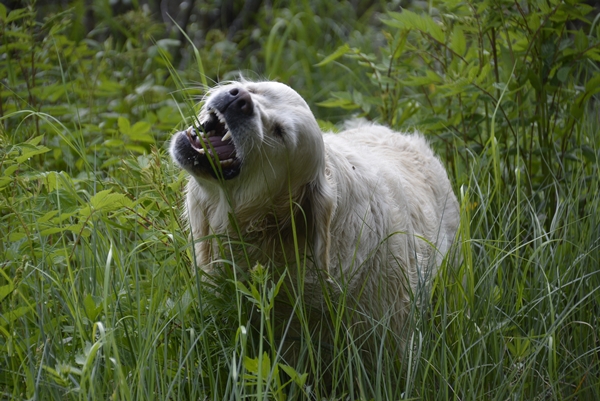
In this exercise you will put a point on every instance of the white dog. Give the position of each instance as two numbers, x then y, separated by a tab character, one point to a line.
368	212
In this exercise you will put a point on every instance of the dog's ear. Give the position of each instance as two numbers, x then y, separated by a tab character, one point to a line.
322	197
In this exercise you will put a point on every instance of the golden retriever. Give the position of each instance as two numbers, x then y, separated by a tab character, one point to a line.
368	212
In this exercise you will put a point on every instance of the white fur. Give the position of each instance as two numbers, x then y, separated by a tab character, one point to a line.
374	209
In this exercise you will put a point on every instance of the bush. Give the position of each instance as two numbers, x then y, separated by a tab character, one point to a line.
504	80
98	298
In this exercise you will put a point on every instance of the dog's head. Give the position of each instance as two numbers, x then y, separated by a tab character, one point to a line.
251	132
260	143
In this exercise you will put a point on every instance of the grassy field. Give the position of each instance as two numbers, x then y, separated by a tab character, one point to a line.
98	296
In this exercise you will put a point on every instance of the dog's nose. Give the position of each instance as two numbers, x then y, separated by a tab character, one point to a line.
241	100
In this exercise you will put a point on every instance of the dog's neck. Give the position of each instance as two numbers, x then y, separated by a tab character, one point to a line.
284	212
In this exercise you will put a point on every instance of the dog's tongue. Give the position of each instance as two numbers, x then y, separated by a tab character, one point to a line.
224	149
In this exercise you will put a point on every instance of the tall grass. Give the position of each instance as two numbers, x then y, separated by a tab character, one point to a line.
99	298
118	312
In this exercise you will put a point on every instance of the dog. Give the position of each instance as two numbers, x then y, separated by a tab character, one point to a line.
368	213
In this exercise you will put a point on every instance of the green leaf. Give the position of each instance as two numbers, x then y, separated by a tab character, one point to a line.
4	181
16	236
38	150
136	148
51	230
5	290
105	201
13	314
92	309
485	70
542	4
534	80
10	170
243	289
458	43
563	74
581	41
113	143
299	379
35	140
139	132
576	110
593	85
430	78
109	88
335	55
589	154
46	217
140	128
17	14
410	20
256	365
124	125
343	103
142	138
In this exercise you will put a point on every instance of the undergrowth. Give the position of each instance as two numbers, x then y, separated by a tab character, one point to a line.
99	298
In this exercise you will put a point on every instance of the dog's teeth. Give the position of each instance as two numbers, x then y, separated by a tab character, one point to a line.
192	131
199	150
226	163
226	136
210	133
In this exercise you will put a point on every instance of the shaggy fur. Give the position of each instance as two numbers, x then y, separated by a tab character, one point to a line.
373	210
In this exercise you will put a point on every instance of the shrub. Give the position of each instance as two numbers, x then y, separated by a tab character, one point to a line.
98	298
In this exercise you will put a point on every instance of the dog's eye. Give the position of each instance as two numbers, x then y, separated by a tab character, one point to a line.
278	131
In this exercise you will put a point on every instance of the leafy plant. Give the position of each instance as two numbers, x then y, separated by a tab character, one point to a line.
99	297
505	80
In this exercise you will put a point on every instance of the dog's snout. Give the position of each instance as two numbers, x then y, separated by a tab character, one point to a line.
241	100
237	100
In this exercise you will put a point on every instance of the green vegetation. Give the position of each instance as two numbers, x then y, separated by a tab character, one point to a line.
98	299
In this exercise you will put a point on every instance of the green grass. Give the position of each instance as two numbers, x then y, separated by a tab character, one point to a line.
98	294
111	307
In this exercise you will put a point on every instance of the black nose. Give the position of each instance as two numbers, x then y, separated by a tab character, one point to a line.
240	100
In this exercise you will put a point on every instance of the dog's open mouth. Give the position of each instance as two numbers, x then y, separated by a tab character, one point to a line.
213	138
